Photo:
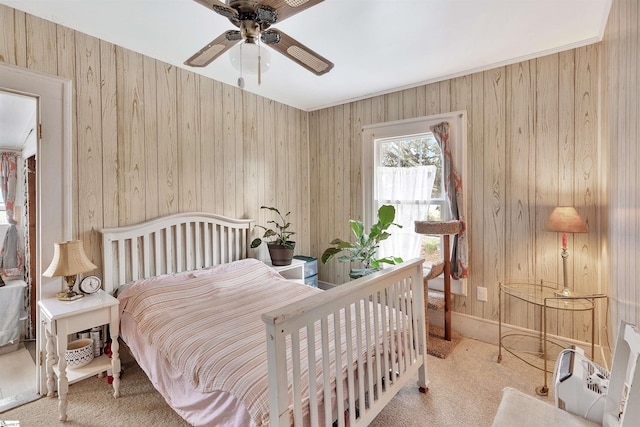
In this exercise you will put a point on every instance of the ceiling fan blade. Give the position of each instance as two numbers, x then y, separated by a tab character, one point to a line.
220	8
217	47
287	8
297	52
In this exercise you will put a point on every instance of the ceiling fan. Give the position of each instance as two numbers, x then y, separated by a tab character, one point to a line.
254	19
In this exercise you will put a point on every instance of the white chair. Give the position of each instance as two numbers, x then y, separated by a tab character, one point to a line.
621	404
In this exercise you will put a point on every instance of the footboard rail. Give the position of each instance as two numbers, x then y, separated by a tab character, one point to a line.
340	356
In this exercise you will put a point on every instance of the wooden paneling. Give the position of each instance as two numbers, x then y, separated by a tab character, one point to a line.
7	30
110	192
166	145
131	142
249	177
476	213
89	145
150	139
238	161
621	156
531	146
42	45
151	136
189	141
170	140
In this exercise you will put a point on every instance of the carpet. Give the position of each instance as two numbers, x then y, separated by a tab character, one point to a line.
464	390
91	404
436	344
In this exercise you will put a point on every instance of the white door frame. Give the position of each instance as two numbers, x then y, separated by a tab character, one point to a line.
53	173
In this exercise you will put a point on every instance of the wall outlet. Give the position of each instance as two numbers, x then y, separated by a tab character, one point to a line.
482	293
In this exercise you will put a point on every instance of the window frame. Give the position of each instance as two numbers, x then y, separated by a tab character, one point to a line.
370	133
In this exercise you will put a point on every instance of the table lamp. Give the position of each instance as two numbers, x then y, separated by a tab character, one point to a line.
69	260
565	219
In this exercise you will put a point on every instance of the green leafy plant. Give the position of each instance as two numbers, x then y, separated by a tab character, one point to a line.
365	248
279	234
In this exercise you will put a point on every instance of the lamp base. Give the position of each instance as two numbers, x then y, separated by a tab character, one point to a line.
566	292
68	296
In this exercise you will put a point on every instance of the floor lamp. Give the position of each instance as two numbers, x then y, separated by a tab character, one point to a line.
565	219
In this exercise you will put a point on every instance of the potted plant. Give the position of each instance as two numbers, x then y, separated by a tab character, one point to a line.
365	248
278	238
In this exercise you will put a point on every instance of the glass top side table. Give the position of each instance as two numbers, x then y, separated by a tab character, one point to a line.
544	295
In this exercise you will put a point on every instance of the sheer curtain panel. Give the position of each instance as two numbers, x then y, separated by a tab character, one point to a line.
408	189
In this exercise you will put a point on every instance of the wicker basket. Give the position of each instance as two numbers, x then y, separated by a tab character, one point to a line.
79	353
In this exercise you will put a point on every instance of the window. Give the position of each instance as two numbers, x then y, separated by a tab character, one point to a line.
402	166
408	175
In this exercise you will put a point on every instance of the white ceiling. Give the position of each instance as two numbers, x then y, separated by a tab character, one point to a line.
17	119
377	46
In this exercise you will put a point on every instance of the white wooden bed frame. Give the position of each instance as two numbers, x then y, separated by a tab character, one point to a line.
191	241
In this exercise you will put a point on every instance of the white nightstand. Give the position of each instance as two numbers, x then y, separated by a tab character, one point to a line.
62	318
293	271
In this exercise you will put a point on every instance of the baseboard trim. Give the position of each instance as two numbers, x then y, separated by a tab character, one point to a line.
487	331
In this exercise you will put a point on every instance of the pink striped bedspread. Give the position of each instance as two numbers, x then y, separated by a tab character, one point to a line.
209	326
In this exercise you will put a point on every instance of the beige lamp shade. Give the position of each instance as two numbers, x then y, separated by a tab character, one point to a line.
565	219
69	259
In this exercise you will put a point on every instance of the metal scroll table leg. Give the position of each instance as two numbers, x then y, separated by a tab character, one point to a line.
544	390
499	322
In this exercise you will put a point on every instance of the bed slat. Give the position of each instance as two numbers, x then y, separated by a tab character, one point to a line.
326	371
338	368
159	265
311	367
146	243
297	372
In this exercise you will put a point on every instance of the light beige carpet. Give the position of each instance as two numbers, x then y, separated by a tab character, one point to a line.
465	390
91	404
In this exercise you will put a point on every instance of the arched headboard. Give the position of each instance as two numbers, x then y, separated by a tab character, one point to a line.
171	244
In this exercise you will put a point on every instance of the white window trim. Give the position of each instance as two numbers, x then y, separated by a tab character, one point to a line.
458	131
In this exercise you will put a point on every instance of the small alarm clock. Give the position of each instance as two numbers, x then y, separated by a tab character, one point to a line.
90	284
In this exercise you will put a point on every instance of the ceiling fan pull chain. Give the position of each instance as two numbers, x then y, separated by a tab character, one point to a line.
241	78
259	63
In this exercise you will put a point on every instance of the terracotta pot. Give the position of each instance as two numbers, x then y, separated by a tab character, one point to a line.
280	255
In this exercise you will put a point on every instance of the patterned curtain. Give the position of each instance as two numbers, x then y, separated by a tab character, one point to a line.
453	188
10	259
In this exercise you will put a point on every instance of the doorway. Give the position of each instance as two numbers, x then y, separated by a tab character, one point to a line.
53	208
18	139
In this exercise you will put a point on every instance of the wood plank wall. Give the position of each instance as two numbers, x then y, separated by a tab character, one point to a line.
621	136
150	139
532	145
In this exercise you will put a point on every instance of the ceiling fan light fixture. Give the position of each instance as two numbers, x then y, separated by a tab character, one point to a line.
245	56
